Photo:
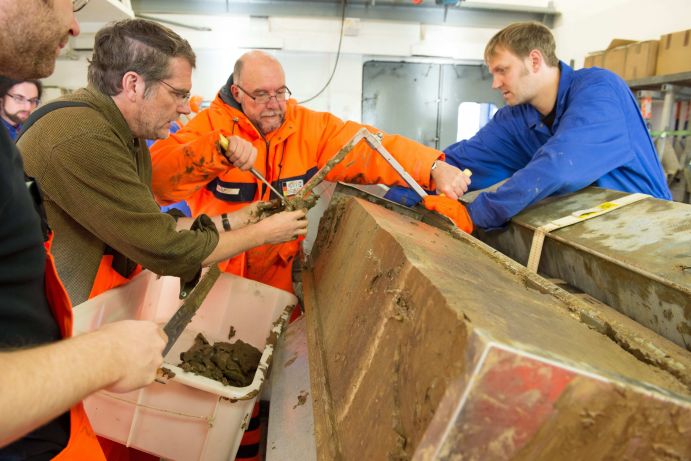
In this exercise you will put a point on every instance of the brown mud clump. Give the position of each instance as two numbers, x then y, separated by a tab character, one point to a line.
231	364
266	209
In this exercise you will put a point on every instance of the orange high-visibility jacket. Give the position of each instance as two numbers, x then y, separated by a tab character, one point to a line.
82	443
188	166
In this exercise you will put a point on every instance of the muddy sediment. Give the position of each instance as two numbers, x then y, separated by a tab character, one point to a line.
266	209
408	361
233	364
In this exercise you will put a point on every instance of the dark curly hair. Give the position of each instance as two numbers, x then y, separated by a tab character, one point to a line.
7	83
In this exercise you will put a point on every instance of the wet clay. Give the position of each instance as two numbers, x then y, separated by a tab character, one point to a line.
231	364
590	422
266	209
302	399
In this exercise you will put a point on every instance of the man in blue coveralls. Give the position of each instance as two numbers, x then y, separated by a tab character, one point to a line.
562	130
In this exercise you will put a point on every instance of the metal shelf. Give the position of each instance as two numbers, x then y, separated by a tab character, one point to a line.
670	89
657	81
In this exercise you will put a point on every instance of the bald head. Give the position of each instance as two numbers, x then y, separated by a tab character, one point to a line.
257	75
253	62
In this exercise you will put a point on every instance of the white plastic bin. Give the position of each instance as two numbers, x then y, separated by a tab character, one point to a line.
189	417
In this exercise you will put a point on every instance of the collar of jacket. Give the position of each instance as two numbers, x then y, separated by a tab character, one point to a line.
565	79
11	129
105	105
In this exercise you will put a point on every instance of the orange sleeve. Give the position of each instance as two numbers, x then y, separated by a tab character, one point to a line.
363	165
186	161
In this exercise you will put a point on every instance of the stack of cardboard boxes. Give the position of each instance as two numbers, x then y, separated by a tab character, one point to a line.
632	60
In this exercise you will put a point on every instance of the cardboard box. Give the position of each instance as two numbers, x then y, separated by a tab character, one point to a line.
674	54
615	56
641	60
594	59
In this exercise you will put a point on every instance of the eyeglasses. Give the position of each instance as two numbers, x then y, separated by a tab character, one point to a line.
262	97
19	99
78	5
182	95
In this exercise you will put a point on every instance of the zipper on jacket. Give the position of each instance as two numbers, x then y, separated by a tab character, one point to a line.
266	163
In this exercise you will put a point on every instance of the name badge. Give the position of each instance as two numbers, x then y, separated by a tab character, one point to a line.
292	187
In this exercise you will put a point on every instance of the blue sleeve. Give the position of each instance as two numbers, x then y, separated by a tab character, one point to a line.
591	140
493	153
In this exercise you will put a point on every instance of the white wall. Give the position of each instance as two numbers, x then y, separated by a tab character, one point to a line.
307	51
306	46
589	25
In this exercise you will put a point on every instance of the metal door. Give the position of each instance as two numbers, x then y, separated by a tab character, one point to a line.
420	100
462	83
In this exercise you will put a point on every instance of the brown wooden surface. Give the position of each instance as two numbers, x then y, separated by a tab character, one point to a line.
398	311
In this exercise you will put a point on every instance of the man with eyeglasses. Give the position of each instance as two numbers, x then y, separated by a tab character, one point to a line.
293	143
88	152
19	100
94	168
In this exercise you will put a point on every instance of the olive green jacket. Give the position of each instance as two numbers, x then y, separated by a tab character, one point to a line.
96	180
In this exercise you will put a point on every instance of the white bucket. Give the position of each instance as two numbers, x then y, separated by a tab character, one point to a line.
189	417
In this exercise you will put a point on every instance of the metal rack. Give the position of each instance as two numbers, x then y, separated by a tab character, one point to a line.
670	89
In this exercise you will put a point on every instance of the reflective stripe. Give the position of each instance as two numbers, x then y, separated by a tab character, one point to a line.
232	191
246	192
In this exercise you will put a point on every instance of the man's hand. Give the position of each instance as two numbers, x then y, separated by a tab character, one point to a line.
284	226
239	152
249	214
449	180
134	350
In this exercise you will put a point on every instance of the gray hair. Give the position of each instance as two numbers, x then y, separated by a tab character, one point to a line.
137	45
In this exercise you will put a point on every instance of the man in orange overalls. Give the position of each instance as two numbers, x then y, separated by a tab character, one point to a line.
43	375
292	142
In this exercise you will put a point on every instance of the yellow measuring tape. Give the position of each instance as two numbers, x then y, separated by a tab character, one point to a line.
573	218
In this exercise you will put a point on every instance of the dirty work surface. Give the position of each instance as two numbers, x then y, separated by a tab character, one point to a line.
232	364
433	341
632	259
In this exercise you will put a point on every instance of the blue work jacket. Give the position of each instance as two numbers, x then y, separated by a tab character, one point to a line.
12	130
598	138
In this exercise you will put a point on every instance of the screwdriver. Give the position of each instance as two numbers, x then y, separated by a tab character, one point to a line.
224	145
261	177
